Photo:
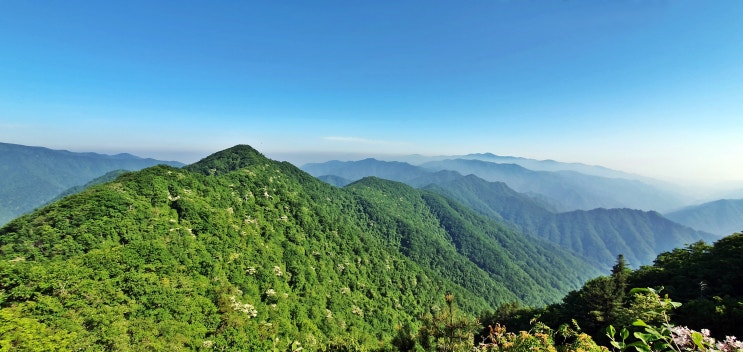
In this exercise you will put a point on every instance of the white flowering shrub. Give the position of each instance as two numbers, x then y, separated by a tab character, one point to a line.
246	308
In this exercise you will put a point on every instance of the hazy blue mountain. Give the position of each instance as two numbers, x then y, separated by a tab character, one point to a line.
335	180
552	165
32	176
531	164
722	217
568	190
356	170
557	190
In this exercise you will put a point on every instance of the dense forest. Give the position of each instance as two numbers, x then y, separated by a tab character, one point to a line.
239	252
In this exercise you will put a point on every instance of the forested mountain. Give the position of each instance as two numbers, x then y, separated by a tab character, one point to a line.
598	235
239	252
720	217
356	170
480	249
33	176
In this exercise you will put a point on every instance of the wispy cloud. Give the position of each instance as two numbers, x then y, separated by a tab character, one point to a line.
361	140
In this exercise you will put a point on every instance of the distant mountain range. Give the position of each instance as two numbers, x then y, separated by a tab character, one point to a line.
531	164
33	176
722	217
565	189
569	190
597	234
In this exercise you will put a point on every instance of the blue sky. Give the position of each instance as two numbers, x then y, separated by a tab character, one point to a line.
651	87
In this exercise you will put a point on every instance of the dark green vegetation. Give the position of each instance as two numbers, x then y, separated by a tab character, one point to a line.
720	217
33	176
239	252
706	279
598	235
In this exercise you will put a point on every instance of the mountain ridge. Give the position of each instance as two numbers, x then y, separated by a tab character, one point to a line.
721	217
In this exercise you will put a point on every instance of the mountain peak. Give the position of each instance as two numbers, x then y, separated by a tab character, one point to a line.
228	160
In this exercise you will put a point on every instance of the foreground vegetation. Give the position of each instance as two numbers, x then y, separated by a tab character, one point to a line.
705	280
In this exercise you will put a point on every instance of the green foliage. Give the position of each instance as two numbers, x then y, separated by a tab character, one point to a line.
596	235
446	329
22	333
707	279
656	336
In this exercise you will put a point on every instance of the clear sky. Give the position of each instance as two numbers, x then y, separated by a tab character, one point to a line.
651	87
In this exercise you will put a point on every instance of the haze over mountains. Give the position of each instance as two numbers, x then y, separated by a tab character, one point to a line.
33	176
565	188
721	217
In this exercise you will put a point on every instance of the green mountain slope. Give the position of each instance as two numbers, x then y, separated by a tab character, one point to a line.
721	217
495	262
240	252
33	176
598	235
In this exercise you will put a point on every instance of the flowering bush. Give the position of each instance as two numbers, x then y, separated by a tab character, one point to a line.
540	338
689	340
665	336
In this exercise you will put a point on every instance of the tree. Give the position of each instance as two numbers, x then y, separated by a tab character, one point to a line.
447	329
